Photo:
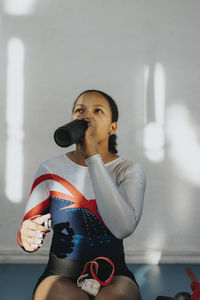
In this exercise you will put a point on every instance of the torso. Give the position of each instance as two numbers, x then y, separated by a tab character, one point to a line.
79	231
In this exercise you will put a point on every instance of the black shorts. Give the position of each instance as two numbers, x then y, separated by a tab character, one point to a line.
72	269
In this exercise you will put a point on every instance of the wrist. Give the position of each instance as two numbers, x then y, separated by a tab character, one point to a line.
89	154
91	150
93	158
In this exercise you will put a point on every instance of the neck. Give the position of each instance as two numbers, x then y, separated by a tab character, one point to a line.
78	158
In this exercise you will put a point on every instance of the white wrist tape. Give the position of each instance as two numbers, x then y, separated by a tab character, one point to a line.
38	242
90	286
47	223
39	234
35	246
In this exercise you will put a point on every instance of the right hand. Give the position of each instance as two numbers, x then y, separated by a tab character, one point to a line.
33	233
89	146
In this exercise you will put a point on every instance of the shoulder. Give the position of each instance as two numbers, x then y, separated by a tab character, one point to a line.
124	168
126	165
51	162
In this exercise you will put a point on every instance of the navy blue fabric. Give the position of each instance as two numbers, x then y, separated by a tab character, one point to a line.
79	234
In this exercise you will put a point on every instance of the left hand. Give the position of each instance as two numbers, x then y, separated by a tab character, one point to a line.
33	232
88	146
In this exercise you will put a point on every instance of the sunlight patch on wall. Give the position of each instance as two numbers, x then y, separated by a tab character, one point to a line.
159	94
154	139
154	142
19	7
184	146
153	257
14	119
154	243
146	81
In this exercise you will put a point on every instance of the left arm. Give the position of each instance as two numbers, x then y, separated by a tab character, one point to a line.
119	206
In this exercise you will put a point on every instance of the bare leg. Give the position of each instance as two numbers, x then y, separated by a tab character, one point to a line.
58	287
121	288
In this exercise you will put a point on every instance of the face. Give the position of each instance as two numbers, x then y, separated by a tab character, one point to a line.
94	105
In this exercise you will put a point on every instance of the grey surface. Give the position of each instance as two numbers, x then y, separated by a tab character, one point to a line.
74	45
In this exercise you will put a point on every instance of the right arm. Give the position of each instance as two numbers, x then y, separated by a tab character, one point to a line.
36	212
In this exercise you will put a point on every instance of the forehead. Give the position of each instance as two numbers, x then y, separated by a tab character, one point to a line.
93	98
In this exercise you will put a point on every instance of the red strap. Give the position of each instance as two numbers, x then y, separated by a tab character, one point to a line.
94	274
191	275
86	267
196	293
103	283
195	285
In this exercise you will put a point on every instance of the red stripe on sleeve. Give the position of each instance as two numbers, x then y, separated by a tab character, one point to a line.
38	209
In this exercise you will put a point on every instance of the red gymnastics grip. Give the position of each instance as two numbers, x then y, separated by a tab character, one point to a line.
195	285
94	273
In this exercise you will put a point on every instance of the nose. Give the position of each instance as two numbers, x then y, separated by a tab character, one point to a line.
86	114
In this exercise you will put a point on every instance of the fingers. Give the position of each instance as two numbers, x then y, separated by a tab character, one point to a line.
42	219
90	121
31	224
88	146
35	241
29	233
92	128
33	233
32	240
29	247
31	244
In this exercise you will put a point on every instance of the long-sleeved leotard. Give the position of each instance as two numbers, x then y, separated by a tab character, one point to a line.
92	207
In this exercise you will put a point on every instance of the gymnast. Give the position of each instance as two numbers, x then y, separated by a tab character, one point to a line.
94	199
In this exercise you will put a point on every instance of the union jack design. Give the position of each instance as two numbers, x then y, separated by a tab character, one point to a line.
78	229
79	201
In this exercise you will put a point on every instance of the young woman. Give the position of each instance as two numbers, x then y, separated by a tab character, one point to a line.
94	198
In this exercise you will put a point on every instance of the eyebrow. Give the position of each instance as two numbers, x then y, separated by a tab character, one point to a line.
93	105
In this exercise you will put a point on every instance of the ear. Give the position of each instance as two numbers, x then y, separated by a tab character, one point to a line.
113	128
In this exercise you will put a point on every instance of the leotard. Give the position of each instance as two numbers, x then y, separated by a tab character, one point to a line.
93	208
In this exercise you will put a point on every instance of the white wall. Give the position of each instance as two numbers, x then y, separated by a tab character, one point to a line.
146	55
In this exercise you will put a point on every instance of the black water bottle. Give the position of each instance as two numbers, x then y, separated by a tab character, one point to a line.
70	133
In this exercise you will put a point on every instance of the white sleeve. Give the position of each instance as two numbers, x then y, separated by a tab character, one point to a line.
39	199
119	206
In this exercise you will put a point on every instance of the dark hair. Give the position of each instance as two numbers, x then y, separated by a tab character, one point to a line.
112	143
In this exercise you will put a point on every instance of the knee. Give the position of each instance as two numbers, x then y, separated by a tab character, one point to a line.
112	296
58	290
118	295
62	291
123	297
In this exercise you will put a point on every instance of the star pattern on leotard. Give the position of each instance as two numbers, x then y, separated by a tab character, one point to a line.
78	201
76	197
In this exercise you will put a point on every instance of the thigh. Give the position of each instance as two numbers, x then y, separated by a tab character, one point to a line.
58	287
121	288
